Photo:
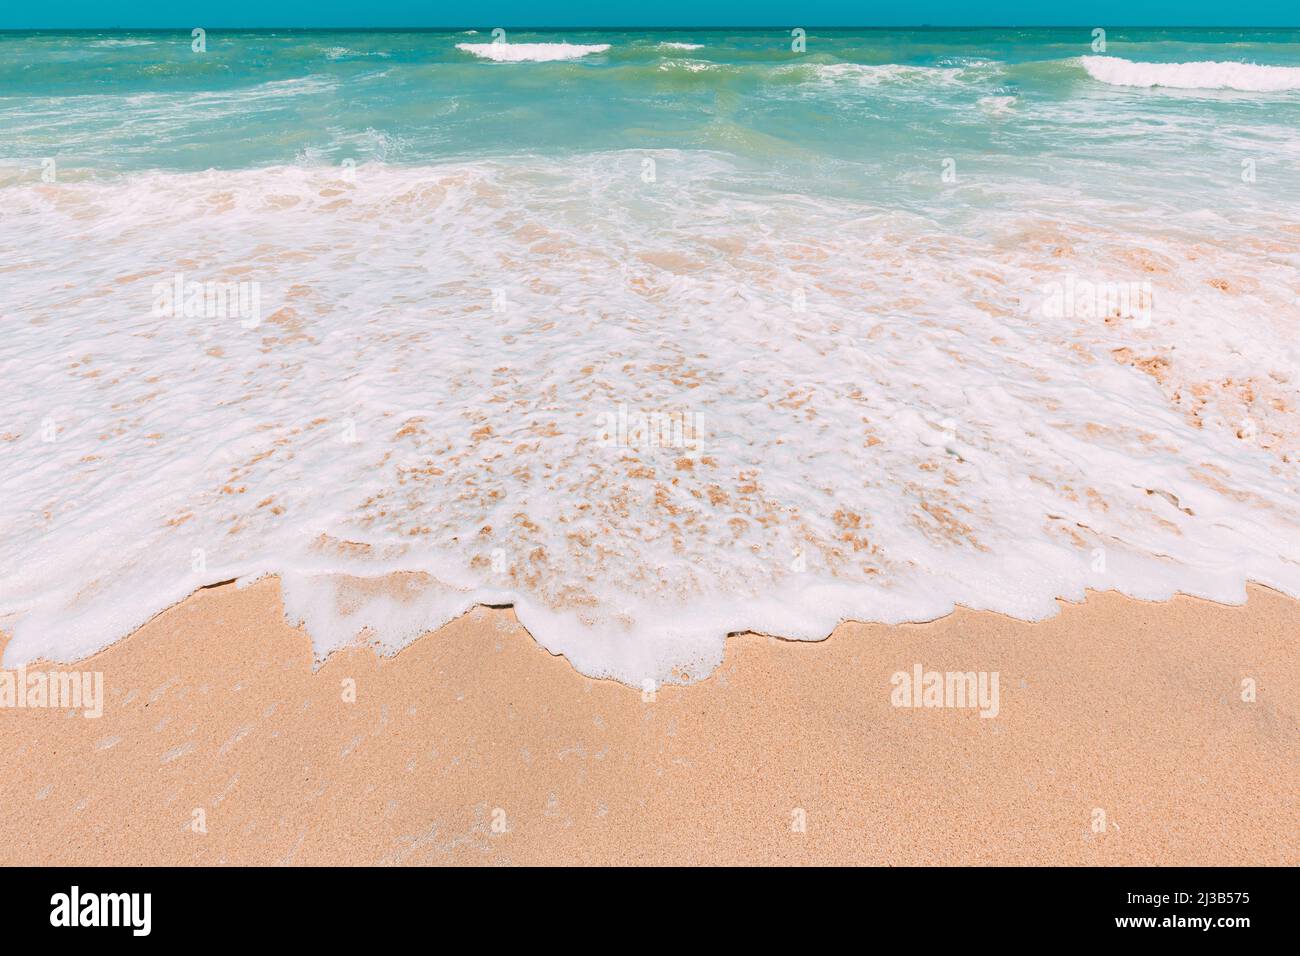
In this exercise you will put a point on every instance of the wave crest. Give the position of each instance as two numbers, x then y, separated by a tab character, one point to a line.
531	52
1197	75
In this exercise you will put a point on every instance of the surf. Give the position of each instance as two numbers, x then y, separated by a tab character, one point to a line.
1200	75
532	52
893	420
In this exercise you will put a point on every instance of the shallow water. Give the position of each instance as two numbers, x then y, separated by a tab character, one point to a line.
655	342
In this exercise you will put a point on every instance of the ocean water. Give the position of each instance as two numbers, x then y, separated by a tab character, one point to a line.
656	336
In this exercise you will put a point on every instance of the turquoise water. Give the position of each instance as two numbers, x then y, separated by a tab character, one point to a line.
463	276
117	102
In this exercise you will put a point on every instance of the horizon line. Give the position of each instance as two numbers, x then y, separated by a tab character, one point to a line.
712	27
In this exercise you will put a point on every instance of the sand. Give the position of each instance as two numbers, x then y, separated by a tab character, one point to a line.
219	744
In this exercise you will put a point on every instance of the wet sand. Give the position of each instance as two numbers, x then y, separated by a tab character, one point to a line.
219	743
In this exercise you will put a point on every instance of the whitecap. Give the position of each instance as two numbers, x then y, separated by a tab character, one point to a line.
1196	75
876	74
531	52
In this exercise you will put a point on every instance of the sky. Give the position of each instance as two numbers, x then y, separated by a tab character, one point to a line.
74	14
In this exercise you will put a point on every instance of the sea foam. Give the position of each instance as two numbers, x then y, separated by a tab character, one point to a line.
1201	75
645	417
531	52
875	74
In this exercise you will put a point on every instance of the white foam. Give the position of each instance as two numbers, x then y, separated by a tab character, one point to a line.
1199	75
531	52
667	45
690	66
998	105
424	404
343	53
876	74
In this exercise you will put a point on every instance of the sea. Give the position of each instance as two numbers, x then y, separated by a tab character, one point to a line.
657	336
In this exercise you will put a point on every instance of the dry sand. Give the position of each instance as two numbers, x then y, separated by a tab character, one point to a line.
1119	706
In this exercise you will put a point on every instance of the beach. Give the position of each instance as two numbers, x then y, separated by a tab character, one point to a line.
452	446
1130	708
754	352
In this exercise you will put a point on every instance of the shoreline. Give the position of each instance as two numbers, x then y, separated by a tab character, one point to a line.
221	743
44	663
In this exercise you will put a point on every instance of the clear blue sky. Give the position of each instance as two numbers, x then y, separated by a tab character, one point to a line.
71	14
